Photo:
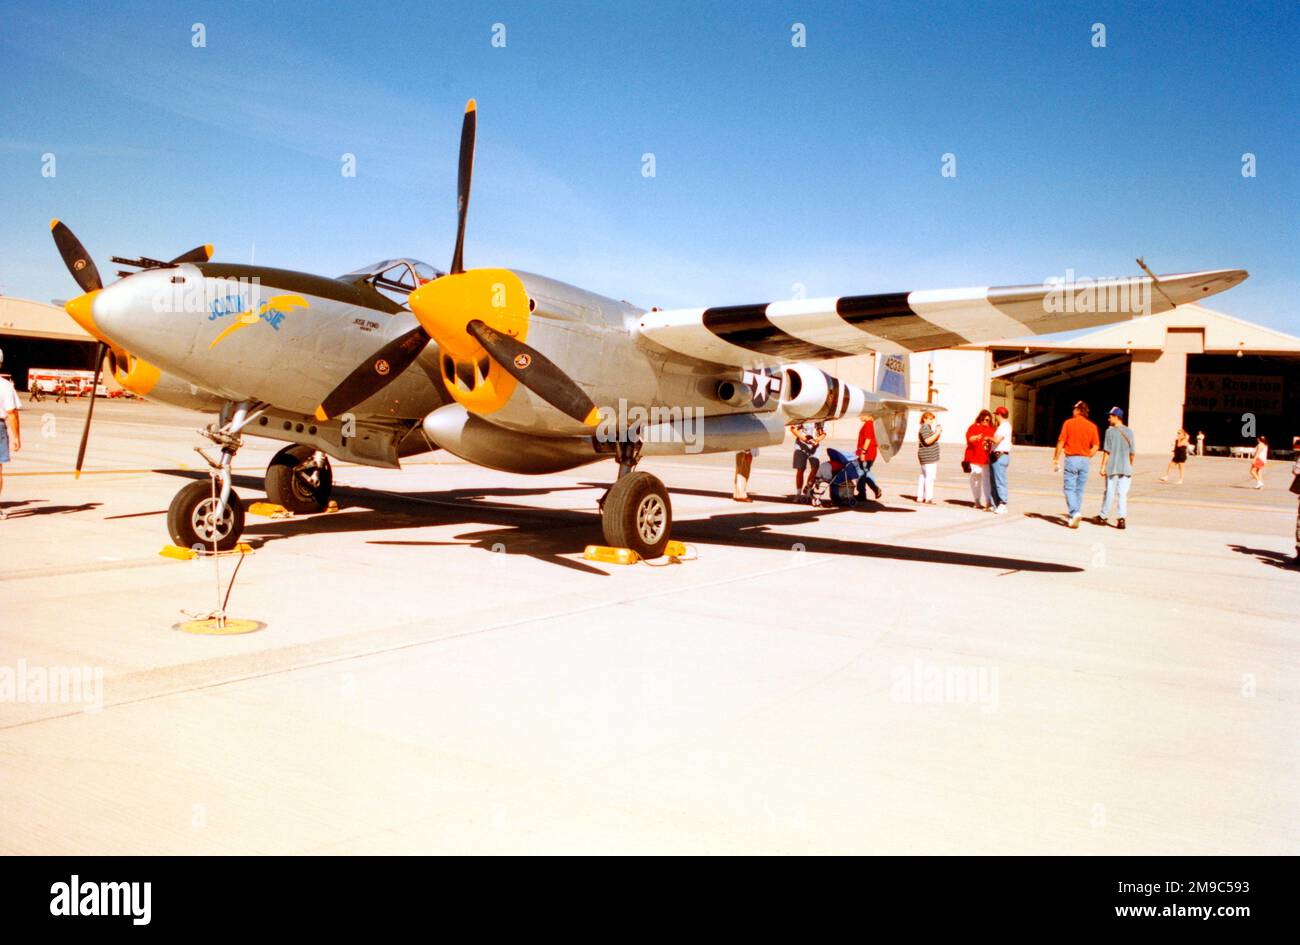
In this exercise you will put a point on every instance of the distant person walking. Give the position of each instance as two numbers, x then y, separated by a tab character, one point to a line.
808	438
1116	468
976	460
61	393
1078	441
1295	489
868	450
1200	443
1179	459
927	452
1000	459
10	430
744	464
1258	461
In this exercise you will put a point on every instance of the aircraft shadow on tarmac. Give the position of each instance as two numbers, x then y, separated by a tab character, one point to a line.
550	534
870	505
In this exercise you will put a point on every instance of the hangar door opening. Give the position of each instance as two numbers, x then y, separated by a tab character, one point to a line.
25	353
1042	388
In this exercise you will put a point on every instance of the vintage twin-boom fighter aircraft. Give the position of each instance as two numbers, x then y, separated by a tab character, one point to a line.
519	372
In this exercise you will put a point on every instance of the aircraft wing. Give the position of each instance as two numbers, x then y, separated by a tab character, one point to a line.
769	334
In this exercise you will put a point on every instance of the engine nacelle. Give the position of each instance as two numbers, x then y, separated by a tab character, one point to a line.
144	380
477	441
809	393
729	433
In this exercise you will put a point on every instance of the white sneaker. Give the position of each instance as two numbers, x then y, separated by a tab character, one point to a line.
1074	521
1000	510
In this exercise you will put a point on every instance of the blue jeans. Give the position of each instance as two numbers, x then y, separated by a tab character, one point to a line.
1076	477
998	488
864	479
1116	488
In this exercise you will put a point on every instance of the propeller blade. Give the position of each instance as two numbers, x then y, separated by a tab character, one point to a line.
76	258
196	255
467	131
535	371
101	349
374	374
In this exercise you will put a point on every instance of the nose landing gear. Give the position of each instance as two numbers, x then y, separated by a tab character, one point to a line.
210	515
197	518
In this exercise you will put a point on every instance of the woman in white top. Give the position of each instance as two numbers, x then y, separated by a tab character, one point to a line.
927	450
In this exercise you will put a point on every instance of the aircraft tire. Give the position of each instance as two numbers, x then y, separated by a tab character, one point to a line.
189	521
292	491
638	515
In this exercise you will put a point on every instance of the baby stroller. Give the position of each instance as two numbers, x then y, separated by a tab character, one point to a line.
836	481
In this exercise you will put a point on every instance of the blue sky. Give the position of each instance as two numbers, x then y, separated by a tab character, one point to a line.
775	166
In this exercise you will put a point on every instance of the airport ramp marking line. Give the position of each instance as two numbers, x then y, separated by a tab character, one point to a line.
505	625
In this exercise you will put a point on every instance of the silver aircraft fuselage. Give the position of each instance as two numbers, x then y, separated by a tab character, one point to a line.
238	333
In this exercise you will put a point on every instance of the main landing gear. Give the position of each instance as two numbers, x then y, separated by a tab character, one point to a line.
300	479
636	512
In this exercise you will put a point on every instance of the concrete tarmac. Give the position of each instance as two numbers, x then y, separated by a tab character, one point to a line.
440	671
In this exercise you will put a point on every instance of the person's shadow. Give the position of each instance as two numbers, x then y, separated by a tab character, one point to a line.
27	508
1274	559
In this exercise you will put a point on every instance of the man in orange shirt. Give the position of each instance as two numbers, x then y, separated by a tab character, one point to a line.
1078	441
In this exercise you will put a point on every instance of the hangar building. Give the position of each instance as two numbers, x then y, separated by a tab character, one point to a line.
1191	367
36	335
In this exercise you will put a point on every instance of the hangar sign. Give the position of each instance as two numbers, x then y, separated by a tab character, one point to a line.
1223	393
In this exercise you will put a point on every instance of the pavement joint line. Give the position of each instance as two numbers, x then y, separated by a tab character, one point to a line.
801	561
413	644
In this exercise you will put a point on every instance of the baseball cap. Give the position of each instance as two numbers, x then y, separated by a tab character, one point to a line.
1117	412
1001	412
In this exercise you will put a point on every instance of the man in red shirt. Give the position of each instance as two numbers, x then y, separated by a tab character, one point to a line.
1078	441
867	452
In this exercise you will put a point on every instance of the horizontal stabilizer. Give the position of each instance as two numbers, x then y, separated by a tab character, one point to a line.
888	406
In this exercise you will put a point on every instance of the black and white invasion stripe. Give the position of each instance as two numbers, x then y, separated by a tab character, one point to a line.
769	334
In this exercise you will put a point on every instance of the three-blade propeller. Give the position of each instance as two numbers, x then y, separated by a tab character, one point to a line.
83	270
455	306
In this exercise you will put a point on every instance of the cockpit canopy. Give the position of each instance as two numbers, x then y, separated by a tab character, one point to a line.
395	278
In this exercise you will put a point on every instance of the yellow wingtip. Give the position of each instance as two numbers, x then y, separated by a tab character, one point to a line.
593	418
54	222
471	106
207	248
321	415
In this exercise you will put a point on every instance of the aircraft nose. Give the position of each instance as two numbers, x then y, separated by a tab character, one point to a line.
124	311
82	310
108	313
